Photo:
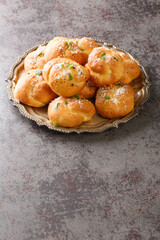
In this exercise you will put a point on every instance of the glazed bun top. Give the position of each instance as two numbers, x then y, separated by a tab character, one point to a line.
70	112
35	59
64	48
65	76
86	45
115	100
32	90
131	68
106	66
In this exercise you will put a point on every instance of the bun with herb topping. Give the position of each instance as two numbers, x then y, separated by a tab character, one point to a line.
64	48
32	90
131	68
70	112
114	101
86	45
105	65
35	59
65	77
88	91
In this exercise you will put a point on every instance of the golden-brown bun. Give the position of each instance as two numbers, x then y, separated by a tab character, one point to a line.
114	101
64	48
105	65
32	90
86	45
88	91
65	77
70	112
35	59
131	68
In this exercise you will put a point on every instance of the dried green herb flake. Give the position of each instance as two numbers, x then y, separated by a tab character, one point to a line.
103	58
40	54
70	76
115	58
70	65
38	71
69	44
107	97
81	49
77	96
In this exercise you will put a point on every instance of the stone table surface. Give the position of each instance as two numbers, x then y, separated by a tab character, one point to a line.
103	186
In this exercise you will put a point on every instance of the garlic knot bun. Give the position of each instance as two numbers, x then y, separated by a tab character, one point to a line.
105	65
88	91
65	77
32	90
64	48
114	101
70	112
131	68
86	45
35	59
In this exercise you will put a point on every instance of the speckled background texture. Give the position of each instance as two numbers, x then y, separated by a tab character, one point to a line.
104	186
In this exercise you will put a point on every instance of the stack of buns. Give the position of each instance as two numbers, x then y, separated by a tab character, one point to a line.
67	72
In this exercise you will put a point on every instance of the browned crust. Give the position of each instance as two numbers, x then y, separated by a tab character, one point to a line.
115	100
58	47
35	59
105	65
32	90
62	79
70	112
131	68
86	45
88	91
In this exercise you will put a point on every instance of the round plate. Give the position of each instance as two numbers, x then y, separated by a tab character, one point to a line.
97	123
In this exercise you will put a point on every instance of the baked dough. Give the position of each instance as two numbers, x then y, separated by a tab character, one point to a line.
106	66
69	71
86	45
32	90
35	59
70	112
114	101
64	48
131	68
65	77
88	91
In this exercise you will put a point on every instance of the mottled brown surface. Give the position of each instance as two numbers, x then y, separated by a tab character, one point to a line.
80	187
